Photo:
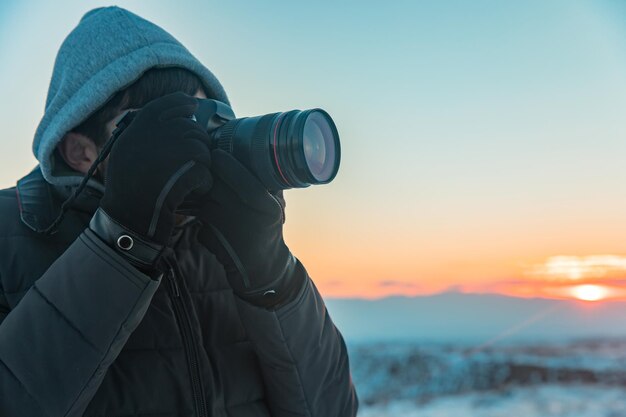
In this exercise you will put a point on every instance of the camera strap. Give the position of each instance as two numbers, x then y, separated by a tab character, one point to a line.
106	149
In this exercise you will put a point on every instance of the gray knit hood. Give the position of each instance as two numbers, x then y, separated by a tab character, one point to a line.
108	50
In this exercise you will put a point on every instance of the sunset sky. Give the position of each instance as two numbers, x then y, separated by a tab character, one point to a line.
483	142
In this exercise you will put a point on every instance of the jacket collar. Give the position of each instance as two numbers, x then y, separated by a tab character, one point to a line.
40	202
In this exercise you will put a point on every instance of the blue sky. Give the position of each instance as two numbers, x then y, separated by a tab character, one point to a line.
462	122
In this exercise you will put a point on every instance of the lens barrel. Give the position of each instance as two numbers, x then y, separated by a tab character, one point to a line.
284	150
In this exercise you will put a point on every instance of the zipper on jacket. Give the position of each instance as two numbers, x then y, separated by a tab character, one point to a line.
173	283
189	345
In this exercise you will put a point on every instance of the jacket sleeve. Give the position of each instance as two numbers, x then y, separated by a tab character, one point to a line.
303	357
57	343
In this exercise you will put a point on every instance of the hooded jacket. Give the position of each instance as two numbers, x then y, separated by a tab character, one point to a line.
109	50
82	332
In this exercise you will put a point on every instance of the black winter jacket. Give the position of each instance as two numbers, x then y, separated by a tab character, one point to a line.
82	332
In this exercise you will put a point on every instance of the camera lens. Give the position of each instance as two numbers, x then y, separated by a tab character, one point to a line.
319	147
284	150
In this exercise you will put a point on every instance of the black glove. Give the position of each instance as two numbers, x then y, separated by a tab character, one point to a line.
159	159
243	227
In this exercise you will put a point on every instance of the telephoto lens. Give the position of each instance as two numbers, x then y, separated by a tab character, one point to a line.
286	150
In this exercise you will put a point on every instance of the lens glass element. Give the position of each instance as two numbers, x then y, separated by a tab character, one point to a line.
319	146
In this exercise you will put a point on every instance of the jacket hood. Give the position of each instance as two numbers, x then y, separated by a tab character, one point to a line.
108	50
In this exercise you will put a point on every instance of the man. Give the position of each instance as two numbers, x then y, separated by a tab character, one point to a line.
111	302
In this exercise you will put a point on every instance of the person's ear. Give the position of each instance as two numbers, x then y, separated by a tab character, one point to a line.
78	151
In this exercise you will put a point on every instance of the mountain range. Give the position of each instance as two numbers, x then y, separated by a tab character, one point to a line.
475	318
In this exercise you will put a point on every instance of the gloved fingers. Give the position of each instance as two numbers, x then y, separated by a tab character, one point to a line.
199	135
222	203
191	145
200	179
248	189
191	202
172	106
188	177
181	126
204	158
191	178
186	111
200	174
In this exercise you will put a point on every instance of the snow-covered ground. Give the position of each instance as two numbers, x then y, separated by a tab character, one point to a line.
585	378
537	401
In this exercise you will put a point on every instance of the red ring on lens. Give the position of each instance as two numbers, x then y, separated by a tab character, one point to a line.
280	171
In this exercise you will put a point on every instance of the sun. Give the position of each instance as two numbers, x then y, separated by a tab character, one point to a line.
589	292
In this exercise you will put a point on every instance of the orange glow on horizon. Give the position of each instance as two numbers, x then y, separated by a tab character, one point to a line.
373	263
584	292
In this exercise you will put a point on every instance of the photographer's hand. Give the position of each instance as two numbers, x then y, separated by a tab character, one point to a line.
244	229
159	159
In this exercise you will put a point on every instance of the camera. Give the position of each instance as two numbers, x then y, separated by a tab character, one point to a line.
292	149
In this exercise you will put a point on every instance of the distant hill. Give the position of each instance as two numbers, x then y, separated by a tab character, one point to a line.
475	318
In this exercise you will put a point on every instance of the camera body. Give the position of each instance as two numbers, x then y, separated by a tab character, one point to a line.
292	149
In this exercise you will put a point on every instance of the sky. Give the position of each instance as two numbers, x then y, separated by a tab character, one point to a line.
483	142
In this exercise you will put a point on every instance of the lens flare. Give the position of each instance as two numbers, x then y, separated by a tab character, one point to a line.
590	292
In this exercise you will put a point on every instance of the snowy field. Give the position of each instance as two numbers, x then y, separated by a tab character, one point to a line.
539	401
585	378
